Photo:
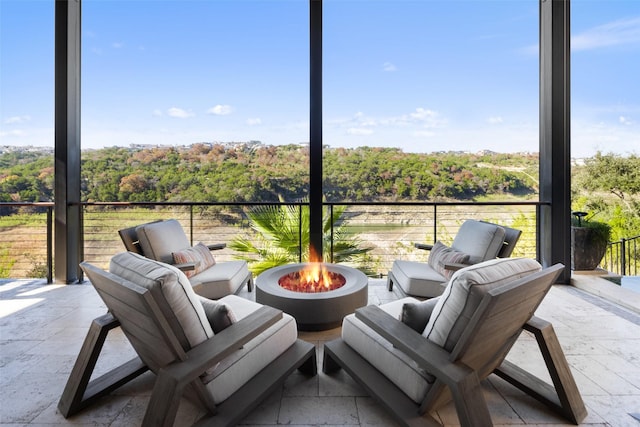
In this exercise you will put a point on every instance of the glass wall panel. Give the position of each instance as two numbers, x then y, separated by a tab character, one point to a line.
605	126
26	73
226	81
424	84
605	94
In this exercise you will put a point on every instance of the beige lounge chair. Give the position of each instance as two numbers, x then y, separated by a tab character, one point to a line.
226	355
476	241
162	240
444	347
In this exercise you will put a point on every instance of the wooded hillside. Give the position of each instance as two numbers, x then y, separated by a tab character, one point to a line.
254	172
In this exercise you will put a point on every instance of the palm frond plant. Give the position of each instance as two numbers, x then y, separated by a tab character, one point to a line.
282	237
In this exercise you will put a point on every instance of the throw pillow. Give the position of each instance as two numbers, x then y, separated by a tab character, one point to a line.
416	314
219	314
198	254
441	255
465	291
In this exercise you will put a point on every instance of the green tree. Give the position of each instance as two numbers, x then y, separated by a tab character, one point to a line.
612	173
604	176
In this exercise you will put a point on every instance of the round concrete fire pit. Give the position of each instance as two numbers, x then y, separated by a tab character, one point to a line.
313	311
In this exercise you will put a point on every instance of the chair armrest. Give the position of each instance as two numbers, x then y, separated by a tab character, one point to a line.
429	356
217	246
187	266
455	266
215	349
423	246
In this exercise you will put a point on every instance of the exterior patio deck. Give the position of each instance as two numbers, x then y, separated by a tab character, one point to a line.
42	328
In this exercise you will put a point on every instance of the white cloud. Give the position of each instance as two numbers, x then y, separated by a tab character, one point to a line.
495	120
220	110
179	113
625	120
388	66
17	119
422	114
359	131
14	133
424	134
587	137
117	45
157	113
418	122
360	119
254	122
615	33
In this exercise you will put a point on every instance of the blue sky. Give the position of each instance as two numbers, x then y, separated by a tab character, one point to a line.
421	75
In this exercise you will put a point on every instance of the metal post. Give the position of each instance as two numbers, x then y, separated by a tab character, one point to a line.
554	221
49	244
623	257
191	224
300	207
435	223
315	127
332	235
68	214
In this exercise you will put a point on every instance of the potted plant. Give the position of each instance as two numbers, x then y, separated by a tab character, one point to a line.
589	241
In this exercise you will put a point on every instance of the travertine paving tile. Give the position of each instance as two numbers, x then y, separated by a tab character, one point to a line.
318	410
370	413
267	412
43	326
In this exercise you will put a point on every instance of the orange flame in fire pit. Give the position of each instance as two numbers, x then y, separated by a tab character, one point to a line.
315	277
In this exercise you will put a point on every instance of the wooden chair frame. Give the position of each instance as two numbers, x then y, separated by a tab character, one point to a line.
130	240
511	237
454	378
187	367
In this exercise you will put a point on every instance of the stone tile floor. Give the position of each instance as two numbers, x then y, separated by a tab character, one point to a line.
42	328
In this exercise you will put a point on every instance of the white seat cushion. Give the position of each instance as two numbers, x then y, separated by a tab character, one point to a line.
465	291
390	361
418	278
220	279
238	368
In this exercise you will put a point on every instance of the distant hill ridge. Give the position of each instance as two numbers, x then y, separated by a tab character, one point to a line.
255	172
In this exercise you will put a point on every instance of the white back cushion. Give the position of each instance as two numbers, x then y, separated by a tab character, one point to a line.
465	291
180	299
159	240
480	240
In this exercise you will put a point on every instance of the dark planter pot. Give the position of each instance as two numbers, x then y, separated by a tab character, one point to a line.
586	250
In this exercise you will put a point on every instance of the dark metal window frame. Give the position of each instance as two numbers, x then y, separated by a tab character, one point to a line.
555	166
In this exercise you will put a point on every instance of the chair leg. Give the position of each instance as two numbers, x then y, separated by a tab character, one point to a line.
310	366
471	406
164	402
79	392
328	364
564	396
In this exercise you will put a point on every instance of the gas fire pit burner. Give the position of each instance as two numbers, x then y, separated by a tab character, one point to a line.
318	309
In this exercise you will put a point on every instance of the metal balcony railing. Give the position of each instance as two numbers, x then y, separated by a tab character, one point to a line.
390	229
622	257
